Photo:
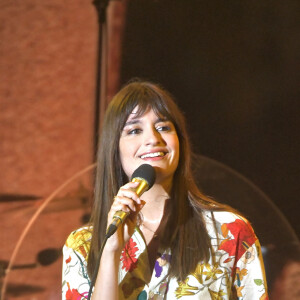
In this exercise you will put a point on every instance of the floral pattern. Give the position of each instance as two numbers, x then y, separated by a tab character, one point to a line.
76	282
74	294
235	271
242	236
161	261
128	256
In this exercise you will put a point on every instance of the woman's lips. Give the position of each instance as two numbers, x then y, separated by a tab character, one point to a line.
153	155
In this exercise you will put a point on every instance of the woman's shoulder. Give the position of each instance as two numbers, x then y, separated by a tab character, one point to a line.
80	239
226	220
224	216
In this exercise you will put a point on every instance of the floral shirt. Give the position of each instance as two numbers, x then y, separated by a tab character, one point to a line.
237	273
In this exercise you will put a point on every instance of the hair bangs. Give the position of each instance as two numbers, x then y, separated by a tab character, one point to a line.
144	99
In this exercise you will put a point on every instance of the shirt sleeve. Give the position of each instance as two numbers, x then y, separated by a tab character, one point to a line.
75	279
249	272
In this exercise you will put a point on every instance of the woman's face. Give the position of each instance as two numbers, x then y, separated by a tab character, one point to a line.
149	139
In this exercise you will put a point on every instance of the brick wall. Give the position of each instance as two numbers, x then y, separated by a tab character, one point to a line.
48	55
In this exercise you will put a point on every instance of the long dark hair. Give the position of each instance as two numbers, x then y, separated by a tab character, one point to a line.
185	231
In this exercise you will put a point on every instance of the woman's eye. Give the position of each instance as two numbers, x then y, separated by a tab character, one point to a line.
134	131
163	128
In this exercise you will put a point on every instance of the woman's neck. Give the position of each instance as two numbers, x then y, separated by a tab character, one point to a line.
155	199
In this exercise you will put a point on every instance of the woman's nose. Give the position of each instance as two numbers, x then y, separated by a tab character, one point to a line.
153	137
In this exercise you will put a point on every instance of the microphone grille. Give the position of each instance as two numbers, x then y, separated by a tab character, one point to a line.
145	172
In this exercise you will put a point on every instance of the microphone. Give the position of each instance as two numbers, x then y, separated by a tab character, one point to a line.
145	175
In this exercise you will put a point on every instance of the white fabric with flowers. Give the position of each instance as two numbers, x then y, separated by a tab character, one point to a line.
238	271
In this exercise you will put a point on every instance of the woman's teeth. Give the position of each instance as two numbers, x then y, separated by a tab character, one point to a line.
154	154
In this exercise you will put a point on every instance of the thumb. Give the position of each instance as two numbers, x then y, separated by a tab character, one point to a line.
134	216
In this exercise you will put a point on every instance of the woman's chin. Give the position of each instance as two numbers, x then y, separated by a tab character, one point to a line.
163	177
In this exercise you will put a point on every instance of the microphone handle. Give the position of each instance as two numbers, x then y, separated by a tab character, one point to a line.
120	216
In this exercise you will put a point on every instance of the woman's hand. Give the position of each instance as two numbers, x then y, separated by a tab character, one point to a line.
128	201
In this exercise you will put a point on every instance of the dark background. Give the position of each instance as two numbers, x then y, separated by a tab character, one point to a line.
233	69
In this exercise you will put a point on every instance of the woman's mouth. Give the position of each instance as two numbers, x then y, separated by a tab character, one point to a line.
153	155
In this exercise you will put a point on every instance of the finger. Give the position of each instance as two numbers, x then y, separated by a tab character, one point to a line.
134	215
128	193
130	185
131	204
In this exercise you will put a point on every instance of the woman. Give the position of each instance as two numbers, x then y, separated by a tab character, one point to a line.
176	242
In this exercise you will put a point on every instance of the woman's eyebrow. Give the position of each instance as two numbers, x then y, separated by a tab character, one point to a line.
132	122
161	119
137	120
